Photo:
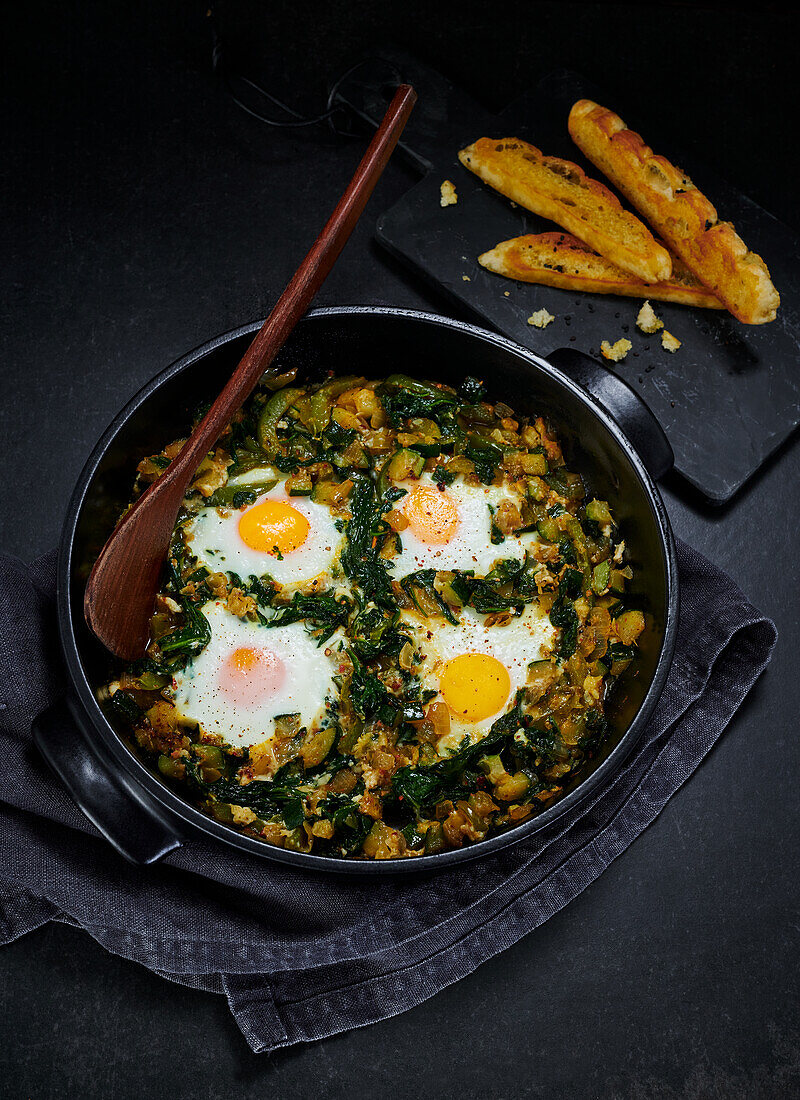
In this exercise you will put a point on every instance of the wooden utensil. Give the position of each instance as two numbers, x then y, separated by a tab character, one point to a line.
120	593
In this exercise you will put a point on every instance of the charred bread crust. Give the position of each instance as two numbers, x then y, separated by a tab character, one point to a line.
559	259
561	191
678	211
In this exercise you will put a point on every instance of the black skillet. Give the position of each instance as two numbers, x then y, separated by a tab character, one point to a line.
607	432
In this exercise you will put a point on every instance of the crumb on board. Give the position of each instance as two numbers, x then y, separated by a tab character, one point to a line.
669	342
507	293
615	352
448	194
647	320
466	279
541	318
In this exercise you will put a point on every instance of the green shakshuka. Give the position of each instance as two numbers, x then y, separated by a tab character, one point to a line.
389	624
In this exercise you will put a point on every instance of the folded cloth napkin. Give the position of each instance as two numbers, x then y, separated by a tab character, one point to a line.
299	955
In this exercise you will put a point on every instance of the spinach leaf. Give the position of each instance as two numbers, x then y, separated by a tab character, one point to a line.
369	696
374	632
126	707
404	398
564	616
262	589
323	612
351	825
567	551
571	584
453	777
486	457
423	580
442	476
366	533
190	639
472	390
485	598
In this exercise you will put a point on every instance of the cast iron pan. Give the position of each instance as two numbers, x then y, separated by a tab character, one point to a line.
607	432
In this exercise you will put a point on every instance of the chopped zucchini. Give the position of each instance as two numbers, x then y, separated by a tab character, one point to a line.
549	529
299	484
600	577
598	511
405	464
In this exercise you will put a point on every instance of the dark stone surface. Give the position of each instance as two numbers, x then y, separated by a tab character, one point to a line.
147	214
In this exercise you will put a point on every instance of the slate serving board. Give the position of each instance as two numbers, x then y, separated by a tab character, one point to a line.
727	399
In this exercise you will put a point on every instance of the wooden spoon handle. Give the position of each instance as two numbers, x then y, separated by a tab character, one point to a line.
302	288
119	596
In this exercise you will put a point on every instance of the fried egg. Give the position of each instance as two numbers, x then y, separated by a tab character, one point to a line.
451	527
249	674
292	539
476	670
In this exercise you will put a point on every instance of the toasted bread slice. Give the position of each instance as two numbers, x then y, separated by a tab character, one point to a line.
558	259
561	191
678	212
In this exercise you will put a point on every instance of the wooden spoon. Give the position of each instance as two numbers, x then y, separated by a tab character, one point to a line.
120	593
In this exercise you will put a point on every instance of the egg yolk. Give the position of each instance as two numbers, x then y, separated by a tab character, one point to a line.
250	676
475	686
431	514
273	527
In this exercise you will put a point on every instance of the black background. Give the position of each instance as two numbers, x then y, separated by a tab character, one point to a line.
144	213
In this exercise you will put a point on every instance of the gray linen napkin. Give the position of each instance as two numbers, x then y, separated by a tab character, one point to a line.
302	956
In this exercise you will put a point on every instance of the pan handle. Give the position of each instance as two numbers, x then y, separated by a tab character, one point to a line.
623	403
138	830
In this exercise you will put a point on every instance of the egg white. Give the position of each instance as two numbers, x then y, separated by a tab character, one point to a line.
525	638
471	547
309	672
213	537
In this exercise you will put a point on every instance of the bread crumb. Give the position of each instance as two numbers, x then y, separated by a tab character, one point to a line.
541	318
242	815
466	279
448	193
647	320
506	293
669	342
615	352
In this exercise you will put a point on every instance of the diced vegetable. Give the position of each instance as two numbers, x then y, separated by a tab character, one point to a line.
273	411
629	626
171	768
549	529
405	464
600	577
299	484
598	511
321	403
316	746
618	577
